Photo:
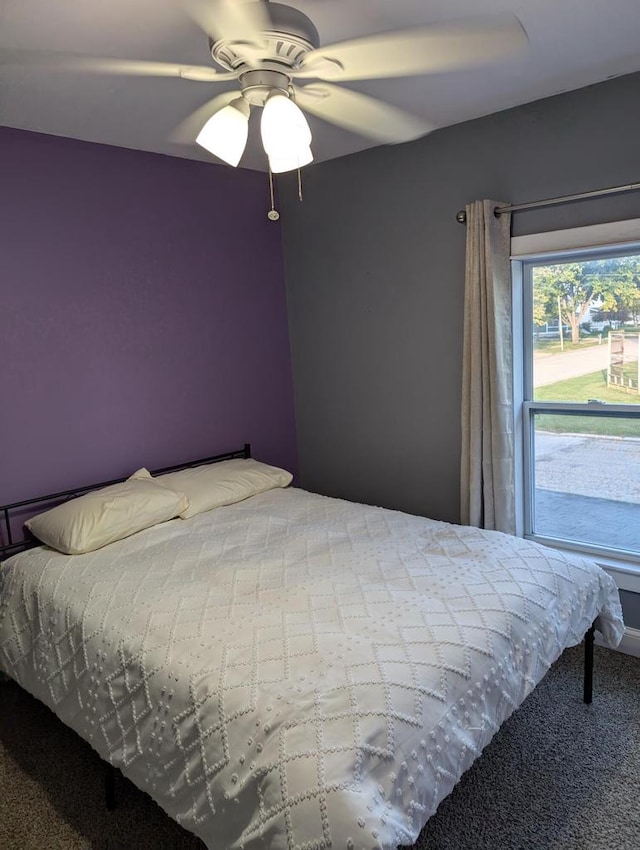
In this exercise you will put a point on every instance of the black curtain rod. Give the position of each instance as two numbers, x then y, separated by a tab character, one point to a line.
461	215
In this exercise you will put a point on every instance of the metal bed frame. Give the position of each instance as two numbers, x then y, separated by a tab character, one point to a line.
8	512
12	547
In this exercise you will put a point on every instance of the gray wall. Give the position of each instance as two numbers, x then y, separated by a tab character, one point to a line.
631	608
374	263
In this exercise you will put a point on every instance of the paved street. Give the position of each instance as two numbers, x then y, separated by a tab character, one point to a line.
549	368
588	487
589	465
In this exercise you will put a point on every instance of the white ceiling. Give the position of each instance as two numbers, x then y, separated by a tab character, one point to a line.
573	43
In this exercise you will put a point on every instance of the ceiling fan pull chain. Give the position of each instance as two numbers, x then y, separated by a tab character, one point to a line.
273	214
299	185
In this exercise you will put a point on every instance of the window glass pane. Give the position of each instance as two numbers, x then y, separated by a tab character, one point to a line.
586	477
586	330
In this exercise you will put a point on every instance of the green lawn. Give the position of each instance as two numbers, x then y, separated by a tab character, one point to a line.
585	387
581	390
552	346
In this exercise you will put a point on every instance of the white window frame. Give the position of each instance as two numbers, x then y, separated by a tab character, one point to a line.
618	237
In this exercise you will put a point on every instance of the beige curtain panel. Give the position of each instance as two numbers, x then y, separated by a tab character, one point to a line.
487	476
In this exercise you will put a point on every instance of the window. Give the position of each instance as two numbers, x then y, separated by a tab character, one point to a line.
579	396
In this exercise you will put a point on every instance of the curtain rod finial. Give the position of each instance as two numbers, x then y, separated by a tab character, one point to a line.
461	217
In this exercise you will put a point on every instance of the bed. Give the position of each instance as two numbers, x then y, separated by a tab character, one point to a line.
293	671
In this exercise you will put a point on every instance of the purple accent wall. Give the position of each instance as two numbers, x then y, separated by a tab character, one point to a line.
142	314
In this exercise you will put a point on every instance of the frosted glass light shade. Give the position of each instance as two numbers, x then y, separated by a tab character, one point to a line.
290	161
225	133
284	128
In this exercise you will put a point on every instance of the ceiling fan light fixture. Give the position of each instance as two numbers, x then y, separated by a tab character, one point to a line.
225	133
284	129
290	161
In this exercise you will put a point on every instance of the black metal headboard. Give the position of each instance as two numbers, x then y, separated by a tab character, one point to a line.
10	547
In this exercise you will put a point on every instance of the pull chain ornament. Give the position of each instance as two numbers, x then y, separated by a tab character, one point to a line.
273	214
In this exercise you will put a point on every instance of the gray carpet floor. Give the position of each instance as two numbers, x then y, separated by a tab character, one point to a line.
559	774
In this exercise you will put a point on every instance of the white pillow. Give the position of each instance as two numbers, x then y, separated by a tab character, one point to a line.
104	516
224	483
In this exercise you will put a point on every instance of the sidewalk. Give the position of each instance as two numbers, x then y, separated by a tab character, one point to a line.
601	522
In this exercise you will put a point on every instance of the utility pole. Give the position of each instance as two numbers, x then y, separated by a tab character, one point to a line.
560	325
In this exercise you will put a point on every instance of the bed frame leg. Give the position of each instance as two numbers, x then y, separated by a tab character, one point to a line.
110	787
588	664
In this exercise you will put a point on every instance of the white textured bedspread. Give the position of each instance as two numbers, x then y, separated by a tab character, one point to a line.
296	672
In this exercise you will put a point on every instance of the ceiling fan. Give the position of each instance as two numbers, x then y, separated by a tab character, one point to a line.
269	47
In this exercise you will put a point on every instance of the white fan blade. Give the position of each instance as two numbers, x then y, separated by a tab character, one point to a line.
360	113
185	133
233	20
423	50
52	61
